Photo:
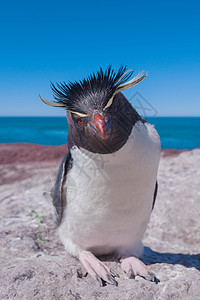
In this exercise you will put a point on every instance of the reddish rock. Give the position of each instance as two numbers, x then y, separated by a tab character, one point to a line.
24	152
171	152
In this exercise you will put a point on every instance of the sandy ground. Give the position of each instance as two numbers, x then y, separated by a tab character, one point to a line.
33	262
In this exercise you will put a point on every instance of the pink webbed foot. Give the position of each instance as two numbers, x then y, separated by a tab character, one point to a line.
133	267
97	269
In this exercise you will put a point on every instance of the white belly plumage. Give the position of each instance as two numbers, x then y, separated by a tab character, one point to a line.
109	196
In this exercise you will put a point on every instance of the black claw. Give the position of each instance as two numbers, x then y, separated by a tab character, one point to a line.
130	274
100	281
114	273
153	277
112	280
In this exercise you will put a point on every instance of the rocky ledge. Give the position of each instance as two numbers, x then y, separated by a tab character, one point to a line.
34	264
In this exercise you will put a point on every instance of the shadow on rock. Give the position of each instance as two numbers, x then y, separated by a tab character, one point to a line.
187	260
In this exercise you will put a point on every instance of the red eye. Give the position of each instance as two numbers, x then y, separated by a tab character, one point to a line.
80	121
114	108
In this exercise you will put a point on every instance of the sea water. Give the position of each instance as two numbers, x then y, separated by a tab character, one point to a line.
175	132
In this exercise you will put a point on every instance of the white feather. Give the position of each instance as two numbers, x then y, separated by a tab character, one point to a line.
110	196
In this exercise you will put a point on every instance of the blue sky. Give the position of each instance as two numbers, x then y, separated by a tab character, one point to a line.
43	41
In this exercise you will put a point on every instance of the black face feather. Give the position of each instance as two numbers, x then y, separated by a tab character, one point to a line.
122	120
91	93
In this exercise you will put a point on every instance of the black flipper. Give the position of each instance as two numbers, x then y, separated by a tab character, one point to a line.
56	192
155	194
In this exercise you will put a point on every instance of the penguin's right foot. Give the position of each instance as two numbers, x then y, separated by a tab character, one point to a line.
97	269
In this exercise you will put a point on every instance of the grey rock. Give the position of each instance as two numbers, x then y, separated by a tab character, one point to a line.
34	264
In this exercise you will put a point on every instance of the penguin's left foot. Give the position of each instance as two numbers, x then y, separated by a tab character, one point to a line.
132	266
97	269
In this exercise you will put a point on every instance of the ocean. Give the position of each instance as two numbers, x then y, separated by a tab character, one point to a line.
175	132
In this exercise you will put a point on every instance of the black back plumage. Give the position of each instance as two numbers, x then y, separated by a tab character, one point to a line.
91	92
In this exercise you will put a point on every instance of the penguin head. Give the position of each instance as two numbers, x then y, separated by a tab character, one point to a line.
100	118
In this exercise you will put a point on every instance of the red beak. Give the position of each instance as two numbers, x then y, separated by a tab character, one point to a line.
100	124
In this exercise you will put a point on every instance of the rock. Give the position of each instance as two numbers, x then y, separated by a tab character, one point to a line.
34	264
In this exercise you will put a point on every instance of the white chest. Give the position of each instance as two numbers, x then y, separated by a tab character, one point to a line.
109	197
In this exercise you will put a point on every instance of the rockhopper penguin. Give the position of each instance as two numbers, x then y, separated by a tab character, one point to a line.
106	184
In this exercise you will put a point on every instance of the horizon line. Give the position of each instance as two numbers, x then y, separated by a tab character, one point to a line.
42	116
